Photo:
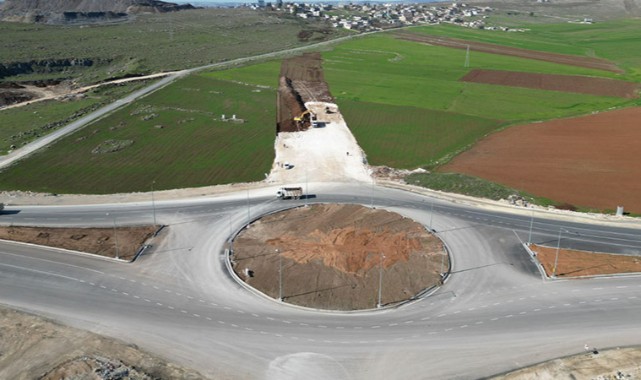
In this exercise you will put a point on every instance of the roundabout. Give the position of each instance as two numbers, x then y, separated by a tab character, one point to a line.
179	301
339	257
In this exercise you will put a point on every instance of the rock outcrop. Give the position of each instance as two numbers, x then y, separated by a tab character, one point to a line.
74	11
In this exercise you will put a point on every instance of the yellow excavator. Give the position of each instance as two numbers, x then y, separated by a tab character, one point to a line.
302	115
299	119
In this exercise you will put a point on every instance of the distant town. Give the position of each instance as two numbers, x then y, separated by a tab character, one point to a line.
366	17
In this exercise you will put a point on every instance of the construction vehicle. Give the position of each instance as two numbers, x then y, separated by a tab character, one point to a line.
299	119
290	193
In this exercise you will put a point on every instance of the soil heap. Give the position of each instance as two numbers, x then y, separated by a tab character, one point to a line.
331	256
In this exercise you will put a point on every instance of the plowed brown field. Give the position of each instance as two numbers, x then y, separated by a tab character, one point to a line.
565	83
591	161
573	60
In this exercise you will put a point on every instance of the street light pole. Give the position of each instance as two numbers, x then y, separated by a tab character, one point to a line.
153	202
115	238
280	277
248	214
306	187
431	213
380	279
556	259
529	238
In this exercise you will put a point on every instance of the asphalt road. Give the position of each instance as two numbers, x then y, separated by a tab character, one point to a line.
494	313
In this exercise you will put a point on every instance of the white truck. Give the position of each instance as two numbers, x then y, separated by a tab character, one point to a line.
290	192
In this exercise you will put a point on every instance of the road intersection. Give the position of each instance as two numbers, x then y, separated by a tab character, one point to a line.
495	313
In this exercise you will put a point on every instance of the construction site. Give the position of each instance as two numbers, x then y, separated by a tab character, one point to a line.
313	142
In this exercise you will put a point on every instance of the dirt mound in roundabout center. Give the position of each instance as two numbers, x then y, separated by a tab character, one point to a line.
332	256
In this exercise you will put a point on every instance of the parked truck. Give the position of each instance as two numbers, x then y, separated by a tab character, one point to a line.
290	192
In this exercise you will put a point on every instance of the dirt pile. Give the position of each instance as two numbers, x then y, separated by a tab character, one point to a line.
36	348
574	263
123	242
553	82
301	81
589	62
331	256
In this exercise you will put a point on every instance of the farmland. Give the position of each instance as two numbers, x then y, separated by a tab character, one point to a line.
404	102
616	41
174	137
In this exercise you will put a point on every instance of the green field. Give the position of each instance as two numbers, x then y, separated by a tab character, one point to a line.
402	100
407	108
410	137
617	41
178	137
154	42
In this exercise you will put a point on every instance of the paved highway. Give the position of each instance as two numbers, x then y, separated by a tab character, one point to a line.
494	314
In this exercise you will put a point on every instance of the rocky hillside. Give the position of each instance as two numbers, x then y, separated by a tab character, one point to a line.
66	11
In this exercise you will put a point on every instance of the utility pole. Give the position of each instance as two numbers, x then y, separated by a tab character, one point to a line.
467	56
556	259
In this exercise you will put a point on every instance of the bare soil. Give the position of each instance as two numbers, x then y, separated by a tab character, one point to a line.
301	81
123	242
591	161
613	364
573	60
565	83
574	263
332	256
36	348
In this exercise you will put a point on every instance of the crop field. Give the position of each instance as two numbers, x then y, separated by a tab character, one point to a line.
404	102
407	108
410	137
154	42
616	41
174	137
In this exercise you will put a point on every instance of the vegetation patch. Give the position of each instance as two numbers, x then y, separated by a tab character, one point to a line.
111	146
411	137
195	147
24	124
472	186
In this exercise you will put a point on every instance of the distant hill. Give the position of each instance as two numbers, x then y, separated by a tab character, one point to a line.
69	11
